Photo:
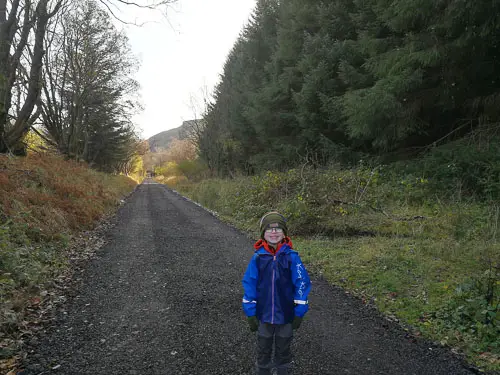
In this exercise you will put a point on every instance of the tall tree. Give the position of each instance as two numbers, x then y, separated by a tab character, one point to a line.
29	17
23	27
87	103
429	66
229	139
339	79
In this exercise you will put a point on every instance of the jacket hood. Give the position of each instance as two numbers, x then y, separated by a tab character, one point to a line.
264	244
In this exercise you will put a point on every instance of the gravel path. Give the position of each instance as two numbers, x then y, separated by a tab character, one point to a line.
163	297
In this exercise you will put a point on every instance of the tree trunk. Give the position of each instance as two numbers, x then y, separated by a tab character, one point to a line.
21	126
7	26
4	54
3	11
10	138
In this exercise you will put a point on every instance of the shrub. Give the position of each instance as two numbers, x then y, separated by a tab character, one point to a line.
194	170
459	170
474	313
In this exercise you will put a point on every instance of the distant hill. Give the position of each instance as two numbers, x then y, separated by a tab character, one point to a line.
162	140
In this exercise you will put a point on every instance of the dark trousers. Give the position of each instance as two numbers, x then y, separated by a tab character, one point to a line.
280	337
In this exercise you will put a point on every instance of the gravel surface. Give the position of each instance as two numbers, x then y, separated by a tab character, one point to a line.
163	296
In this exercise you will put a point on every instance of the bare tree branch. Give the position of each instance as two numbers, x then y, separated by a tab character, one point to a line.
154	6
116	17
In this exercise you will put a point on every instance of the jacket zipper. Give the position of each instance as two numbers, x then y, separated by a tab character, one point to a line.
272	293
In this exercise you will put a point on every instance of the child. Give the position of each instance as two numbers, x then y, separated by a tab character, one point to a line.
276	285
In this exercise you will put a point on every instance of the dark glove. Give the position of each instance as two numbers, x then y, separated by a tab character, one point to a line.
253	323
296	322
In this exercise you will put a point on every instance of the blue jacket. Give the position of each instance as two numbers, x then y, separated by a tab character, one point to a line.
276	284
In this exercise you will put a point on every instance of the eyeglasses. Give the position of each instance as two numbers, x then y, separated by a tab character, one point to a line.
276	230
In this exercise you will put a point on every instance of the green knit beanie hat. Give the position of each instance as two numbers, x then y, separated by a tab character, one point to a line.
271	218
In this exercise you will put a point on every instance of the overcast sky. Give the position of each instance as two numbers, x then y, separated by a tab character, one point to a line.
182	54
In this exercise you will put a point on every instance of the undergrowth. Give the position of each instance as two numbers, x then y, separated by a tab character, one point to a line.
44	202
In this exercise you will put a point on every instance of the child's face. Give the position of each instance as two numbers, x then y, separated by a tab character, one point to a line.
274	234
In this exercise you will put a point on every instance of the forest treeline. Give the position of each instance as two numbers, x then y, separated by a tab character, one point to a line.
312	81
67	81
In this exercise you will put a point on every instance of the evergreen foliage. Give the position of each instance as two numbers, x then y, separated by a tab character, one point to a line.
312	81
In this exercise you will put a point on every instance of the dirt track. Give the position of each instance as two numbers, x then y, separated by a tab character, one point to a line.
164	297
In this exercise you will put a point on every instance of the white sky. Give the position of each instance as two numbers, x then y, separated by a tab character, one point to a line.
180	55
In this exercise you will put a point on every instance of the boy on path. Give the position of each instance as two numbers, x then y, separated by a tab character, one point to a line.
276	286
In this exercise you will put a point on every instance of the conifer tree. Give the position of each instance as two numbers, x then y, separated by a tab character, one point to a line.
318	80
